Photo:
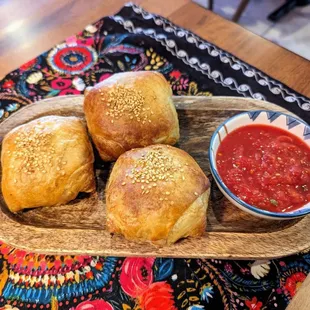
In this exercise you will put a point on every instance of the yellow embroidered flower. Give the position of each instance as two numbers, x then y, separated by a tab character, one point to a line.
155	61
34	77
193	91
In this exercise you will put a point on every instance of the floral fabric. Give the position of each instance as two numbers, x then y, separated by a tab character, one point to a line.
129	41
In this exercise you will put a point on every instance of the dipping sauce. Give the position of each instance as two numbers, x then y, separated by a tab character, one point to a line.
265	166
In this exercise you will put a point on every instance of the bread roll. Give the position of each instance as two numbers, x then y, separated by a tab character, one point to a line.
157	194
46	162
130	110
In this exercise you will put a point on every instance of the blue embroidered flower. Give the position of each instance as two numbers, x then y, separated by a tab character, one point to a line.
196	307
206	292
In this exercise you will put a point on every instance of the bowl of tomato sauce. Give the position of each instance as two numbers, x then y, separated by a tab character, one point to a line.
260	161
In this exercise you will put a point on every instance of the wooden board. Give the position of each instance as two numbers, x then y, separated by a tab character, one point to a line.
79	227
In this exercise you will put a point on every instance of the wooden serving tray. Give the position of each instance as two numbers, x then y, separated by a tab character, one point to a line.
79	227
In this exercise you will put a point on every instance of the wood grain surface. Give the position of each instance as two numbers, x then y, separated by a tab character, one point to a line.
231	233
29	28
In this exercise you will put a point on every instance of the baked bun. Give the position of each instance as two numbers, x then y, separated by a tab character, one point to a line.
130	110
46	162
157	194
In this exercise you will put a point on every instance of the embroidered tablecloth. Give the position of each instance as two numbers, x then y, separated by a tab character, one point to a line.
129	41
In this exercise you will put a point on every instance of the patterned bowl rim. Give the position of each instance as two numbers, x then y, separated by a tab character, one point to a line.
296	213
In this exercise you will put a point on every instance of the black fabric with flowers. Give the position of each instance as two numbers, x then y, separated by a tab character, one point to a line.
129	41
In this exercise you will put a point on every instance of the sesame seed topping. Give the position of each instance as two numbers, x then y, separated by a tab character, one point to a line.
196	193
152	167
33	150
127	101
124	183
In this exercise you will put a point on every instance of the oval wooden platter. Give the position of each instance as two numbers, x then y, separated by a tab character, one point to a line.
79	227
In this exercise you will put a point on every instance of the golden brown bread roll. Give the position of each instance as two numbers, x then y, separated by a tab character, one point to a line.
46	162
157	193
130	110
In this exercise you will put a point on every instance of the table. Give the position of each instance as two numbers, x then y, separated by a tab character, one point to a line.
31	27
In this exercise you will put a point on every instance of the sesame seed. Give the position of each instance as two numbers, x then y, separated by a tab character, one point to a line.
167	193
124	183
152	167
126	101
183	178
33	150
196	193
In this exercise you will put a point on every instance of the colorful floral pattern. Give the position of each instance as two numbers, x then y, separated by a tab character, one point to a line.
38	281
72	58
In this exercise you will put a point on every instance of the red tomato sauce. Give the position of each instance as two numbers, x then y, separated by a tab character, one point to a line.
265	166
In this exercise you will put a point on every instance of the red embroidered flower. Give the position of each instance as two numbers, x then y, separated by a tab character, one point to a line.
104	76
253	304
28	65
61	83
175	74
8	84
136	275
293	282
97	304
69	91
157	297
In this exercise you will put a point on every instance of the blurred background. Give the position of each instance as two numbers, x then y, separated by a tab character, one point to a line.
288	26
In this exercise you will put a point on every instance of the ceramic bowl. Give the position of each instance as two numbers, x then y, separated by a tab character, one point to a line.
286	122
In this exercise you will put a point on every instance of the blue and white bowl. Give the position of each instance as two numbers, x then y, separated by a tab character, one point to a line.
289	123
